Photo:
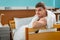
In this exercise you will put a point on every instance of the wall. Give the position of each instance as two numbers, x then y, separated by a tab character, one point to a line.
57	3
10	3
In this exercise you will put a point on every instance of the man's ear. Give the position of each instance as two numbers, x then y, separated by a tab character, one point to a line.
45	9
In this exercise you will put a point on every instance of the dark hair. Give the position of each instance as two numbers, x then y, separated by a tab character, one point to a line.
40	4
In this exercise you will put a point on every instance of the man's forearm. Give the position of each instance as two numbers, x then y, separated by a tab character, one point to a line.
38	25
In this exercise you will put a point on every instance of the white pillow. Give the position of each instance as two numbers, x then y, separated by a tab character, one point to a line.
22	21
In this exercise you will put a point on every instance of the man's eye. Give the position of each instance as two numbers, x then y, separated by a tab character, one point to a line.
39	10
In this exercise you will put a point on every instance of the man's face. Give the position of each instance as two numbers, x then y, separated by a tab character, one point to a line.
40	11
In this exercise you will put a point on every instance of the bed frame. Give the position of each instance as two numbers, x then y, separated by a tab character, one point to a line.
42	36
12	24
39	36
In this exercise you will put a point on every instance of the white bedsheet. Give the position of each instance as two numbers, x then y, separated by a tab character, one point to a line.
20	33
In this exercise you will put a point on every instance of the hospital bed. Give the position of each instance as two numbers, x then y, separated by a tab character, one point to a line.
31	35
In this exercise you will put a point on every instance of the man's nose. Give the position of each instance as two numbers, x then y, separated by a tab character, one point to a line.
38	12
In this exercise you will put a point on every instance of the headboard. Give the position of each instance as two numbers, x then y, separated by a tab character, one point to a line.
10	14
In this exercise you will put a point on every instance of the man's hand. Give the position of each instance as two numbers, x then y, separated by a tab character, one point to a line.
40	24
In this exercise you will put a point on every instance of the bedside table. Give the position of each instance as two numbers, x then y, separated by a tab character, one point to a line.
4	33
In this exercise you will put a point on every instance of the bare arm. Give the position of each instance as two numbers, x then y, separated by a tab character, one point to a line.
40	24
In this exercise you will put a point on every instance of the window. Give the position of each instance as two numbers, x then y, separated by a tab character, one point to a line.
59	18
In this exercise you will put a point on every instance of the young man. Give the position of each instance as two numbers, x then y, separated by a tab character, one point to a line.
42	12
43	17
